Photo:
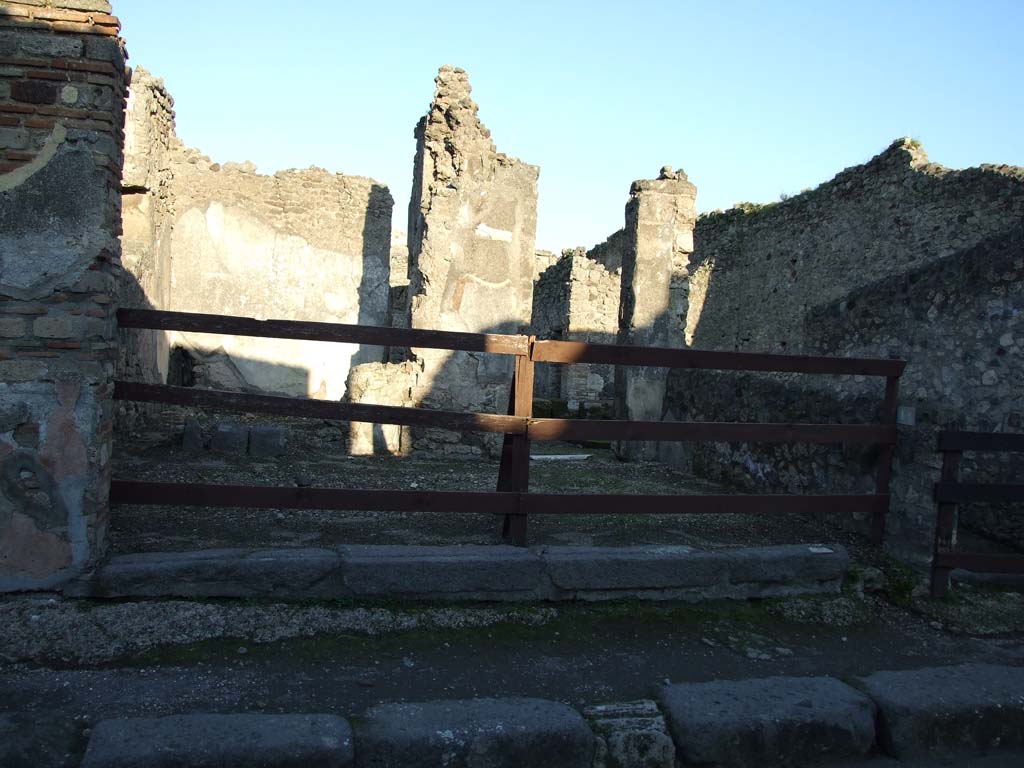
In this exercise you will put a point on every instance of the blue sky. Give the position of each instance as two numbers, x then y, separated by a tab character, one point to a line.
752	99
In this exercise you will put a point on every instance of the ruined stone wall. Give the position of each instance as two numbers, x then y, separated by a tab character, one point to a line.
62	90
220	238
577	299
146	218
656	247
770	265
550	320
898	257
609	253
472	227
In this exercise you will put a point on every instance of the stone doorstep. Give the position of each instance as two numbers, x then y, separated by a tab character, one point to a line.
474	573
756	722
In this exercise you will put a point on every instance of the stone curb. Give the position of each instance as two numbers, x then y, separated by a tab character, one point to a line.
475	732
965	713
474	573
224	741
971	707
769	721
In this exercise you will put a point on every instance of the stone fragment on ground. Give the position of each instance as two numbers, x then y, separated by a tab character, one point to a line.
964	708
229	438
510	732
267	441
631	734
769	721
222	741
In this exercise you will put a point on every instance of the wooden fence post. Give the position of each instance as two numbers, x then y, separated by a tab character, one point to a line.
514	471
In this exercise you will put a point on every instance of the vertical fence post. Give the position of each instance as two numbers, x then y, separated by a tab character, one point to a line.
883	471
514	471
945	526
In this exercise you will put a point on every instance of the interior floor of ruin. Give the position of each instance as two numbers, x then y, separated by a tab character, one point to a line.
316	455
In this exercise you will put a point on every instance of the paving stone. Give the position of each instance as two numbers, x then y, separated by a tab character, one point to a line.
34	739
970	708
632	734
477	572
769	721
229	438
268	441
222	741
632	568
299	572
490	733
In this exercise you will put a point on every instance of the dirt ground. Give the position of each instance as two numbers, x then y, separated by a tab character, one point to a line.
316	456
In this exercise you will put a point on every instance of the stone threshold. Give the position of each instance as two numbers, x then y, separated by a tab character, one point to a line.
474	573
972	714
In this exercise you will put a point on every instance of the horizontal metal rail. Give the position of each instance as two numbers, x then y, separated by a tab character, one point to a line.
534	429
980	562
668	357
506	344
709	431
192	322
964	493
997	442
318	409
492	503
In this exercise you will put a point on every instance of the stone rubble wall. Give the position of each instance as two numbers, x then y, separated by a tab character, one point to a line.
62	92
898	257
220	238
653	304
472	227
577	299
147	215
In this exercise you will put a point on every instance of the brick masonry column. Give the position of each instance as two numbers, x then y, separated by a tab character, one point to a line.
660	217
62	93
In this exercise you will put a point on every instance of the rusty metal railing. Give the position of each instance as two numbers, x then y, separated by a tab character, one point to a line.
951	492
512	499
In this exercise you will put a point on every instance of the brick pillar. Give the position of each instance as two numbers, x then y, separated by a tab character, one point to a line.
62	94
660	216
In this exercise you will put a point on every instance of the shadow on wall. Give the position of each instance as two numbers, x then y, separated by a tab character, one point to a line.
958	321
376	241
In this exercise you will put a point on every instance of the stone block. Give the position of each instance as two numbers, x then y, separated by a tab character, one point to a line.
221	573
13	138
33	739
25	43
224	741
230	438
265	442
54	326
966	708
12	415
34	92
788	564
478	572
12	327
631	734
769	721
633	568
478	732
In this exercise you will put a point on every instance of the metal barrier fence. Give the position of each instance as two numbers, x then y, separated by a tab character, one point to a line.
512	499
949	492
